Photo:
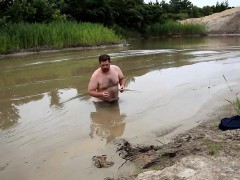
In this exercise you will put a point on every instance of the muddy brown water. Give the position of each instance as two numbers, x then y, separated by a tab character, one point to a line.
50	129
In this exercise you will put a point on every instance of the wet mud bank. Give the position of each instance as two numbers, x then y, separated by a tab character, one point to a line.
196	153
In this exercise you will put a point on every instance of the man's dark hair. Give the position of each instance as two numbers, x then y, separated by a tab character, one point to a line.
104	57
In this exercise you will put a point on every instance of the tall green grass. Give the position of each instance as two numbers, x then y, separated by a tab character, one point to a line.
20	36
171	28
236	103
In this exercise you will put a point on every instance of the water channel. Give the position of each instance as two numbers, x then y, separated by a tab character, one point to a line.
49	127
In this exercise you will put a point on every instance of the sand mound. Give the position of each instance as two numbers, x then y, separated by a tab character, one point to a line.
226	22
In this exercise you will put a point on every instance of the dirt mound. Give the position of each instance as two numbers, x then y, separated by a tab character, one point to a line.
197	168
205	152
226	22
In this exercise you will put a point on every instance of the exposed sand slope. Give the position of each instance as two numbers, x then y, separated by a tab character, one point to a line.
226	22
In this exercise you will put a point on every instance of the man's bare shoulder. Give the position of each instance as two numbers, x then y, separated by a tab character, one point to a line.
96	74
114	67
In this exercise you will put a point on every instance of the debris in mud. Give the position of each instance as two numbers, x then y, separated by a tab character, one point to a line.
144	156
101	161
206	140
108	178
198	153
205	144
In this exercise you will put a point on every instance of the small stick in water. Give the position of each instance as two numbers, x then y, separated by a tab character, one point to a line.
227	83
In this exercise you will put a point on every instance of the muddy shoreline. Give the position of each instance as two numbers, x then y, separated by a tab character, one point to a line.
205	144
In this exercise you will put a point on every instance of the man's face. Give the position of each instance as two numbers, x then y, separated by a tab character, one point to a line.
105	66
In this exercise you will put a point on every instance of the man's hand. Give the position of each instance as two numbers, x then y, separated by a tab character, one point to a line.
122	88
105	94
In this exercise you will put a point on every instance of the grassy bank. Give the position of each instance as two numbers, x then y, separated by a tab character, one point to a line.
23	36
15	37
172	28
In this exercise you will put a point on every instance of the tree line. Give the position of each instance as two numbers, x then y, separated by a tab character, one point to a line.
127	14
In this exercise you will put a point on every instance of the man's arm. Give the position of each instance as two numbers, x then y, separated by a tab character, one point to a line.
92	89
122	80
122	84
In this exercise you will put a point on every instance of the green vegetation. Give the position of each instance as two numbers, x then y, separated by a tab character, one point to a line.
58	23
138	169
172	28
212	147
54	35
238	105
235	104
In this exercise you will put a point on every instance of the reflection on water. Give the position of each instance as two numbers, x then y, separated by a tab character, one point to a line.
107	121
55	100
9	115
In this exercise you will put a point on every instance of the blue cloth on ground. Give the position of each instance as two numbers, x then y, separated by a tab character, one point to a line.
230	123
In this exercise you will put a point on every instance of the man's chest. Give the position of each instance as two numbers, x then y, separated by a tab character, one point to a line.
109	80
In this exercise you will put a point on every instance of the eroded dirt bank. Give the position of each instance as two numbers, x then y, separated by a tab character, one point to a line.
226	22
204	152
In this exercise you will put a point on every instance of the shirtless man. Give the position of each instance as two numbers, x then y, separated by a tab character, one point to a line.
103	85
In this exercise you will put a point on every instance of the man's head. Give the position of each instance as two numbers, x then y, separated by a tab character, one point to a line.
104	62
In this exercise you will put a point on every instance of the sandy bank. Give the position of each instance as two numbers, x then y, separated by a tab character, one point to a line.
225	23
